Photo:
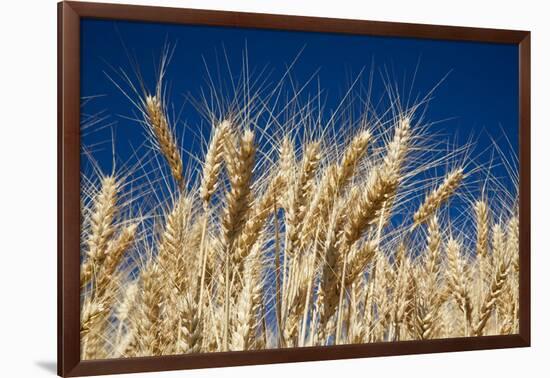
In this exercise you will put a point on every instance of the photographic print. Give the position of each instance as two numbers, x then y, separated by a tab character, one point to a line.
261	189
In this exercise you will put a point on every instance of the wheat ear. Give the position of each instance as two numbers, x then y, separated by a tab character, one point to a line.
358	260
176	270
300	280
381	185
115	252
90	336
508	303
334	262
101	228
297	296
492	296
158	123
104	256
299	195
190	325
125	341
259	214
512	242
247	305
239	164
213	162
363	208
211	170
430	298
352	156
334	179
147	324
171	245
482	227
457	282
482	239
438	196
319	209
287	168
401	284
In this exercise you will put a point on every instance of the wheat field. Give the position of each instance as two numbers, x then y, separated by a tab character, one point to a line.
292	236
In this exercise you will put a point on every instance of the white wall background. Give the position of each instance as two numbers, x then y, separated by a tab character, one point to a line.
28	186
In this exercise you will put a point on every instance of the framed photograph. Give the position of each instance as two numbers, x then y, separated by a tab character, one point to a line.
239	188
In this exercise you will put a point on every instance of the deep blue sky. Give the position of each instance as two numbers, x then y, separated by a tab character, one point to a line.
481	92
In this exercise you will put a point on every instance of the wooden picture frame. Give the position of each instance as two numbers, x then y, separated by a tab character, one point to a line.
69	16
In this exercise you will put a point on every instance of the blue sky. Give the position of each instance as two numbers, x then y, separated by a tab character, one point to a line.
477	98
